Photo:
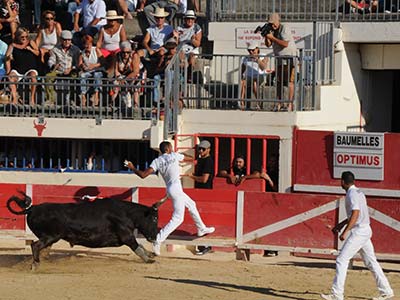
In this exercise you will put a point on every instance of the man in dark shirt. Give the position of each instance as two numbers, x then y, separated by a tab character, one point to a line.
203	177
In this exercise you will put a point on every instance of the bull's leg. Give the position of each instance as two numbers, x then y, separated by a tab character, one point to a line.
36	247
129	239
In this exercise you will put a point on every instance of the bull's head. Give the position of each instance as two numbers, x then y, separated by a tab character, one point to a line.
150	227
39	127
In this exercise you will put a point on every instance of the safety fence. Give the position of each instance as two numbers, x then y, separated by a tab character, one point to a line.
305	10
243	220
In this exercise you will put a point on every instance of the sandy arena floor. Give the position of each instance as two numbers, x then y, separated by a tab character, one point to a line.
115	273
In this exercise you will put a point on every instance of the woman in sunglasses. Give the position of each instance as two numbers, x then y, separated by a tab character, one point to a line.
22	61
47	37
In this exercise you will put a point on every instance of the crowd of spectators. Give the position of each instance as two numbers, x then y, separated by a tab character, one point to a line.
85	41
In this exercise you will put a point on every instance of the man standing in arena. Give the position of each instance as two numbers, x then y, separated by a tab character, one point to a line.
203	178
168	166
284	47
357	234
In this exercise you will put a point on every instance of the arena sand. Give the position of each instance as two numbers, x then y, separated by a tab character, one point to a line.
116	273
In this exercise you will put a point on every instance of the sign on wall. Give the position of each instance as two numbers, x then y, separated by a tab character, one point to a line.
360	153
246	35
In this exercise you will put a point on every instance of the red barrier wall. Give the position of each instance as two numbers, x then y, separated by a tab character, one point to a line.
217	208
313	160
255	185
263	209
7	219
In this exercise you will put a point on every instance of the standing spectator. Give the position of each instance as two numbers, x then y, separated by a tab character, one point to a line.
9	16
203	178
190	35
93	14
90	66
284	48
253	69
168	166
22	61
3	51
48	34
156	35
110	37
63	61
37	12
357	236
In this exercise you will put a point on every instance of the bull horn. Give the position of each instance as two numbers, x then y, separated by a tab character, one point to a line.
158	204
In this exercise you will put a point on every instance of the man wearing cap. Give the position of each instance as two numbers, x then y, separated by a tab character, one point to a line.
203	178
167	164
252	69
190	35
156	35
63	61
284	48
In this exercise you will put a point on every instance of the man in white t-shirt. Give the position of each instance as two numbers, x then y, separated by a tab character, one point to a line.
357	234
168	166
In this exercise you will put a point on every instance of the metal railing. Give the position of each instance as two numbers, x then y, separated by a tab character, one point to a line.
62	97
303	10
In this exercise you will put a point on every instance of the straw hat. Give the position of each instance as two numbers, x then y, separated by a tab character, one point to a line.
113	15
190	14
160	12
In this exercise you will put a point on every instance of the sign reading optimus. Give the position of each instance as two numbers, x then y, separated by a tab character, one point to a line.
360	153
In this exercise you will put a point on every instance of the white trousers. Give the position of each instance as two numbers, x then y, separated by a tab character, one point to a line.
179	201
359	242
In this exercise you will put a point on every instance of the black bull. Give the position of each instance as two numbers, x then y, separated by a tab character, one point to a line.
100	223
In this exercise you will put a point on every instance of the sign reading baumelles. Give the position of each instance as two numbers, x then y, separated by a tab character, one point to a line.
360	153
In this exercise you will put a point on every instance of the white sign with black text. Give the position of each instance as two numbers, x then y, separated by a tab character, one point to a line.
360	153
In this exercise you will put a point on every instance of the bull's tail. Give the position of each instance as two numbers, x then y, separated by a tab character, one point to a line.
24	203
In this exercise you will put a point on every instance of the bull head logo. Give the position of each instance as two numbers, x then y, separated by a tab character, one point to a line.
39	126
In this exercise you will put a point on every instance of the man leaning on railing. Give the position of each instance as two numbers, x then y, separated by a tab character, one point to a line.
282	42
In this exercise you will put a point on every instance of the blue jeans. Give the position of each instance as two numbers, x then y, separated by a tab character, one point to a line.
97	75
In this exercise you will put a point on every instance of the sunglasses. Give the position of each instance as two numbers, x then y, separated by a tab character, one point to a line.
126	52
49	19
202	149
24	37
159	17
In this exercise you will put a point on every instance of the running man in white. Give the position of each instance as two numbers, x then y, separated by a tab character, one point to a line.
168	166
358	233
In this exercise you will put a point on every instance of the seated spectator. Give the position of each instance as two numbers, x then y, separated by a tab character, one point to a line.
63	62
127	72
9	16
171	6
360	6
48	34
71	9
22	61
90	66
190	35
93	14
156	35
238	173
252	71
110	37
3	51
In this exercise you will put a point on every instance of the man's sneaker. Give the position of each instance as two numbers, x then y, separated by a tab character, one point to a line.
203	250
330	297
384	297
157	249
204	231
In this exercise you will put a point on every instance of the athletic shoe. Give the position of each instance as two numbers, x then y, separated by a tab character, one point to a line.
157	249
384	297
204	231
204	250
330	297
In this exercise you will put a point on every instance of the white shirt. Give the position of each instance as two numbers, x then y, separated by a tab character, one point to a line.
168	166
91	11
355	200
159	36
253	69
286	35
